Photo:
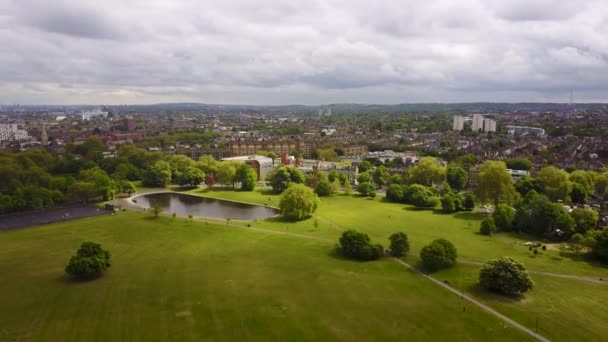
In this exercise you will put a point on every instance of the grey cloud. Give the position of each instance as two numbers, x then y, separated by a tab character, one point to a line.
271	51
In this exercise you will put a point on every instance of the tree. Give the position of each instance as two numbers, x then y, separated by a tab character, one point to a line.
450	203
327	154
400	244
495	184
381	176
90	261
158	174
427	172
226	172
191	176
527	184
207	164
396	179
468	201
555	182
348	188
519	164
364	177
156	209
323	188
537	215
104	185
439	254
456	177
394	193
584	219
419	196
488	227
506	276
601	184
585	178
126	187
82	191
579	194
333	175
365	166
503	216
600	247
281	177
247	176
298	202
367	189
356	245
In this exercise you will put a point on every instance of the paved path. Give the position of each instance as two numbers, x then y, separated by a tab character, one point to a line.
481	305
591	279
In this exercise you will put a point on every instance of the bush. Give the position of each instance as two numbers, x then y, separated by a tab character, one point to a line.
468	202
506	276
441	253
450	203
90	261
420	196
367	189
394	193
488	227
400	244
356	245
323	188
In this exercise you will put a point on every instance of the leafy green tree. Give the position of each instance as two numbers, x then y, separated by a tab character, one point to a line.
90	261
584	219
586	179
419	196
601	184
468	201
104	185
207	164
159	174
333	175
555	182
527	184
487	227
396	179
504	216
348	188
367	189
450	203
394	193
356	245
126	187
519	164
427	172
298	202
281	177
456	177
439	254
600	247
400	244
381	176
82	191
156	210
537	215
180	163
247	176
365	166
191	176
579	194
506	276
327	154
226	172
323	188
495	184
364	177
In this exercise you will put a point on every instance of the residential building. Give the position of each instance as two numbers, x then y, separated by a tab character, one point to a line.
458	124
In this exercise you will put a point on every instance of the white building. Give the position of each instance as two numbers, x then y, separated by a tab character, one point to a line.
88	115
477	124
262	165
10	132
524	130
458	124
489	125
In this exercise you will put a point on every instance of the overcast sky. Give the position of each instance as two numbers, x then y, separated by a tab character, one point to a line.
302	51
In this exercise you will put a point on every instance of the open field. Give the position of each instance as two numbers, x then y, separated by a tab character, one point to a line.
566	309
179	280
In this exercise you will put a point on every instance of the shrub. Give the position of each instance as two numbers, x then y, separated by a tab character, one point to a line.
487	226
356	245
468	202
394	193
90	261
367	189
439	254
506	276
400	244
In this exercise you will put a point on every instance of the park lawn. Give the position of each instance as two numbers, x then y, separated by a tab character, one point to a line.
566	310
380	218
258	196
173	279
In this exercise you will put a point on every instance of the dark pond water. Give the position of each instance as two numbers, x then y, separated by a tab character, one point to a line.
184	205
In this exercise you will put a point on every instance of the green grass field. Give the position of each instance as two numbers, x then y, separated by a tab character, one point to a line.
187	281
207	280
